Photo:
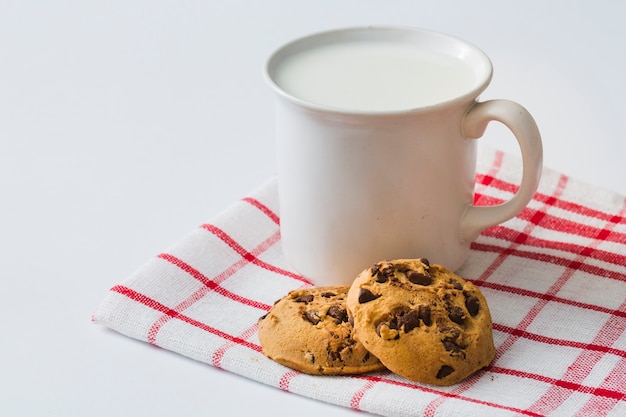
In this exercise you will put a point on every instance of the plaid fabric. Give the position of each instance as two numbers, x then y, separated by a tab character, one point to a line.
554	277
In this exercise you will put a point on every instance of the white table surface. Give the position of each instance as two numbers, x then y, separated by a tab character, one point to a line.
126	124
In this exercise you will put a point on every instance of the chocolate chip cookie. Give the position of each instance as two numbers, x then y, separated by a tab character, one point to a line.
308	330
422	321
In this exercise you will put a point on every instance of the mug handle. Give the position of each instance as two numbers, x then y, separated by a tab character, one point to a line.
523	126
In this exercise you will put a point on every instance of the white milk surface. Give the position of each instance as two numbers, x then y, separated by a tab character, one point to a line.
374	76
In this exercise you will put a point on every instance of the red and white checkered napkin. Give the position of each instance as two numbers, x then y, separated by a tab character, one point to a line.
554	277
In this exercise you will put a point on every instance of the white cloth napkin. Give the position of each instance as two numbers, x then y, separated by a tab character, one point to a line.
554	278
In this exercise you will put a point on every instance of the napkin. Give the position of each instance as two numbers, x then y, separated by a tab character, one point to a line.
554	277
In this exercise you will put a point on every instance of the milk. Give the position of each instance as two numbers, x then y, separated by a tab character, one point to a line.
374	76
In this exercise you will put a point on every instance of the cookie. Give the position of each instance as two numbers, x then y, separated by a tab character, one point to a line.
422	321
308	330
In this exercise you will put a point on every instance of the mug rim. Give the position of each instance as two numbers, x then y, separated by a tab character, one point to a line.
314	39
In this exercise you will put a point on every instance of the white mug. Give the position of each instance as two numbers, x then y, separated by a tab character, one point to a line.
376	149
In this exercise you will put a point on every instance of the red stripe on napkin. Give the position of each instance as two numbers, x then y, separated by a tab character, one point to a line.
213	284
250	256
151	303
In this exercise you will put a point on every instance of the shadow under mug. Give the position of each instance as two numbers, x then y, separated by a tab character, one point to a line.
376	149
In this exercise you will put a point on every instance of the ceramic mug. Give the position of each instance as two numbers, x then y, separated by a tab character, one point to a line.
376	149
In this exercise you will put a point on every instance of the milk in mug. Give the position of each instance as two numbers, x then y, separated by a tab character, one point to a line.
374	76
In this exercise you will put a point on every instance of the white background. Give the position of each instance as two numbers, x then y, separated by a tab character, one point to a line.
126	124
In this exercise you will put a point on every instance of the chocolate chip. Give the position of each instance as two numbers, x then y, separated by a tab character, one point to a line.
338	313
450	332
456	314
365	296
451	346
328	294
408	320
424	314
333	354
388	330
472	304
366	357
418	278
456	284
312	316
383	275
425	261
444	371
381	278
263	317
307	298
